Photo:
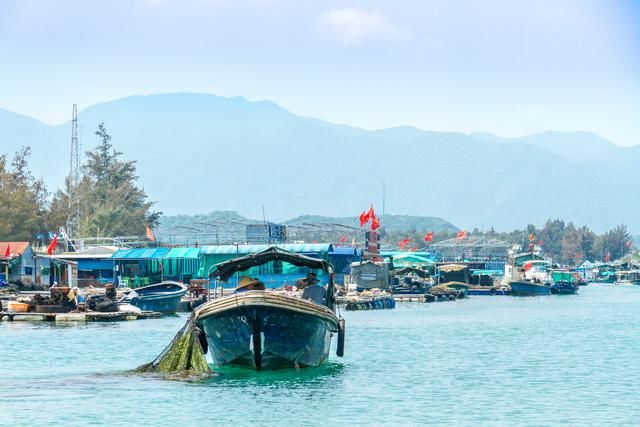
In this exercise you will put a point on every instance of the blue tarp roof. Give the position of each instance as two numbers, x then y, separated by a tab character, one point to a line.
141	253
92	264
344	250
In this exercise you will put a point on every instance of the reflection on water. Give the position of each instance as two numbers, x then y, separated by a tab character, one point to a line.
284	378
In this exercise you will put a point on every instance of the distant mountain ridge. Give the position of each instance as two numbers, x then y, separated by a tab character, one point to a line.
232	222
199	153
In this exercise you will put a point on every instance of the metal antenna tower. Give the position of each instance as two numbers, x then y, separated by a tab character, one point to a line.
74	175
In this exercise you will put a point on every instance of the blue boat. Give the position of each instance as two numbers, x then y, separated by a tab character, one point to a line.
262	329
564	283
163	297
526	288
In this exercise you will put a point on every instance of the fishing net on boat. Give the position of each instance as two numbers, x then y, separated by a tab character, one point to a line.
184	357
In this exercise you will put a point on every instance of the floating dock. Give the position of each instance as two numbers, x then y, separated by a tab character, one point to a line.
91	316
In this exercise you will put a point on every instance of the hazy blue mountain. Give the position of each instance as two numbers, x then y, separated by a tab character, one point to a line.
199	153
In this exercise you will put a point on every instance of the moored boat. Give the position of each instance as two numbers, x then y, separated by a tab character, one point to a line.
264	330
630	277
163	297
564	283
527	288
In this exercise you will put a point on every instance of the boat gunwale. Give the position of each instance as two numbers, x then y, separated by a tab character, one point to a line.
266	299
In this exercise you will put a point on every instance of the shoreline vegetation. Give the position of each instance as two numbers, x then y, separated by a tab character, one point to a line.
108	201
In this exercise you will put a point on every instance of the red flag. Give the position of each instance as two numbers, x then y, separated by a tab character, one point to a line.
532	238
607	257
428	237
415	248
53	245
375	224
363	219
343	239
150	235
7	253
403	243
461	234
540	242
371	214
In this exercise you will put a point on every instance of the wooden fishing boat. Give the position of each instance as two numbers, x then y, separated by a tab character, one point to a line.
265	330
564	283
527	288
163	297
630	277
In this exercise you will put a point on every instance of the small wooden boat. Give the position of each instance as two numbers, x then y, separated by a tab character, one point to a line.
564	283
163	297
527	288
264	330
631	277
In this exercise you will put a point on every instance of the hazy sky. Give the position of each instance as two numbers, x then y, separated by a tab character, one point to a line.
507	67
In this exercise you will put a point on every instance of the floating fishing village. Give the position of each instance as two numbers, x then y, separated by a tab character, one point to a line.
327	213
267	303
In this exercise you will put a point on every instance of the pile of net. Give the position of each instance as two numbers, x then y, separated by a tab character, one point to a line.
184	357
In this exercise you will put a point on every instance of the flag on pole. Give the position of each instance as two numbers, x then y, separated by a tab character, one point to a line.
375	224
343	239
53	245
363	219
403	243
428	237
150	235
7	253
532	238
461	234
371	214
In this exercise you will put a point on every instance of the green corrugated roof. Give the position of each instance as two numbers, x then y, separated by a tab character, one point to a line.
193	253
141	253
249	249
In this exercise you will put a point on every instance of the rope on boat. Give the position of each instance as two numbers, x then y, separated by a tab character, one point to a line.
184	357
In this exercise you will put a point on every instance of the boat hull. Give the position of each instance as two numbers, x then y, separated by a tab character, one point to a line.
563	288
519	288
262	331
162	297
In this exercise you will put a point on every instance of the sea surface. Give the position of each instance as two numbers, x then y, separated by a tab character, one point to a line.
556	360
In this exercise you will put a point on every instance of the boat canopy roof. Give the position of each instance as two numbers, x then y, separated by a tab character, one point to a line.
563	276
452	267
226	269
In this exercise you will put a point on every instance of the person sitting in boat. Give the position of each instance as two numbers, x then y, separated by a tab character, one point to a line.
314	291
311	279
247	283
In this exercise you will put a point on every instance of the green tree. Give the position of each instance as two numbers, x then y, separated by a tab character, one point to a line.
613	244
22	199
111	203
551	235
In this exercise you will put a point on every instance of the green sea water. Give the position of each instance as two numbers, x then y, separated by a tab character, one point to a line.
556	360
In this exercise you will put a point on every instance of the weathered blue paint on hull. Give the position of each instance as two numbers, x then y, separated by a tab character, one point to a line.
162	297
284	338
529	289
564	288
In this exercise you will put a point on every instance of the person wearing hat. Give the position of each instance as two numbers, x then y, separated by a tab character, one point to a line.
311	279
247	283
313	290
